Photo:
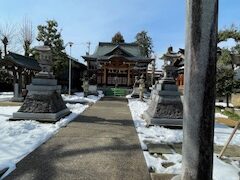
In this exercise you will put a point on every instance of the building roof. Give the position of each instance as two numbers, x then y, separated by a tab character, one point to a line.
106	51
76	63
105	48
21	61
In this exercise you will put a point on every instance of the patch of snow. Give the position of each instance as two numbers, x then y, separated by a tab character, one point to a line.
223	104
79	97
129	96
219	115
156	134
153	162
221	170
6	96
6	93
224	171
223	132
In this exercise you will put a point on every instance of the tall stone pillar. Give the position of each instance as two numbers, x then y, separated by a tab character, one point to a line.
199	91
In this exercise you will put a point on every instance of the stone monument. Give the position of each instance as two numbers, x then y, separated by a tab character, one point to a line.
43	101
17	95
135	92
165	106
92	90
116	81
141	87
85	85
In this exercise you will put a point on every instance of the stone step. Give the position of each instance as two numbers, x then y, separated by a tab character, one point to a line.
156	176
160	149
231	151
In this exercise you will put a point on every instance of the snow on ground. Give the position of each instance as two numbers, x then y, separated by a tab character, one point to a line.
19	138
223	104
222	133
6	96
78	97
157	134
219	115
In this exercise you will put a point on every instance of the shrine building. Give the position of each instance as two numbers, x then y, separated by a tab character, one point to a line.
116	64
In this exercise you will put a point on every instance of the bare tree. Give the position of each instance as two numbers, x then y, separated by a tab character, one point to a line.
7	33
26	35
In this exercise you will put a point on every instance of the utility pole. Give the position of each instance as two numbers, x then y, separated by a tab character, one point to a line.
199	90
88	47
70	69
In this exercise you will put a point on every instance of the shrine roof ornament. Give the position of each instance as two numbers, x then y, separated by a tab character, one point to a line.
171	55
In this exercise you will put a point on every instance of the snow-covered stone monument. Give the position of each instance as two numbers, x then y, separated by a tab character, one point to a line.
165	106
43	101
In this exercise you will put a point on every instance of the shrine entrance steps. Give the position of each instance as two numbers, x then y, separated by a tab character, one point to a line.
112	91
100	144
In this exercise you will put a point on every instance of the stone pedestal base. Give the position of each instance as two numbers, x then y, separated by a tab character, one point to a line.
92	90
135	93
165	106
17	96
17	99
43	101
43	117
161	121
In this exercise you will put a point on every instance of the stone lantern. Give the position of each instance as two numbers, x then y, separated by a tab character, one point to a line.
43	101
165	106
45	60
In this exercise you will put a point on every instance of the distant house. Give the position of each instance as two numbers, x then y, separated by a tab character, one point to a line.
78	69
117	63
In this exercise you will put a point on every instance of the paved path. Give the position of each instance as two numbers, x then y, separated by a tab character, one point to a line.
100	144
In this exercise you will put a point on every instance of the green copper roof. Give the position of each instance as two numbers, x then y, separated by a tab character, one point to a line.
105	48
128	51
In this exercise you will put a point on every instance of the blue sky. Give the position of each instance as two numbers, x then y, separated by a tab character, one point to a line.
98	20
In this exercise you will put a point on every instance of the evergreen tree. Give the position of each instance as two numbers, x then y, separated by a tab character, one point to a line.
145	43
225	82
118	38
231	32
50	36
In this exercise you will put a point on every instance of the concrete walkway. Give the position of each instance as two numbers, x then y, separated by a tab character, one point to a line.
101	143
